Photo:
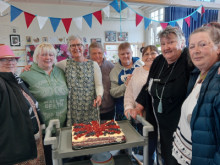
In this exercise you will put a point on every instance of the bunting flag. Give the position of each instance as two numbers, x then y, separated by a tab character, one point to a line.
28	18
172	23
202	10
106	10
123	5
199	10
88	19
78	22
54	22
114	4
130	12
15	12
138	19
67	23
180	23
204	21
98	15
42	21
164	25
146	22
187	19
195	16
3	6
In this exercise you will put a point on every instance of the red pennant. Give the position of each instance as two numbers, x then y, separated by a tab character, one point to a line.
138	19
188	21
203	10
28	18
66	23
163	25
98	15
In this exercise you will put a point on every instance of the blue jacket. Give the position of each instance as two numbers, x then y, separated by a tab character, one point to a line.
205	122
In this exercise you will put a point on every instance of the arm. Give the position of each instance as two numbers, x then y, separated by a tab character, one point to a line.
116	90
61	65
98	84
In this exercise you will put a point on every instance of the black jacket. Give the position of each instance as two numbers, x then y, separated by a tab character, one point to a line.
18	123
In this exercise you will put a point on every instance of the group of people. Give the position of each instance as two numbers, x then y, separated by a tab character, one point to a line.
178	92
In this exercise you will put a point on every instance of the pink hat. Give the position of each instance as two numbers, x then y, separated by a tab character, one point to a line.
6	52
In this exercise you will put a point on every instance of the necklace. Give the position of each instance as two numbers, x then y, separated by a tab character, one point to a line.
160	109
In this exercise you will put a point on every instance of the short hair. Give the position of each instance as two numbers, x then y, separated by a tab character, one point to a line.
124	45
44	47
96	45
214	24
173	30
151	47
72	38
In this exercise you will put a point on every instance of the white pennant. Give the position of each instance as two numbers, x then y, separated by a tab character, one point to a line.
3	6
130	13
199	10
106	11
180	23
78	22
42	21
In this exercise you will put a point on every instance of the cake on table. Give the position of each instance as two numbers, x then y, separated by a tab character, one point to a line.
95	134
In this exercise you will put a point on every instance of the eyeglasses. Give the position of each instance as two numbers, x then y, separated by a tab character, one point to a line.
7	60
152	54
45	55
76	45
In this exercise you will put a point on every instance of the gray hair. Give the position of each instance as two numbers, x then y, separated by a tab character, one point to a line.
173	30
96	45
72	38
44	47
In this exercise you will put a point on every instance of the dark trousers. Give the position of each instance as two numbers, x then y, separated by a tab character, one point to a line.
107	116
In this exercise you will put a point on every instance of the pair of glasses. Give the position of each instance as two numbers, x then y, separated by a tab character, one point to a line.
76	45
7	60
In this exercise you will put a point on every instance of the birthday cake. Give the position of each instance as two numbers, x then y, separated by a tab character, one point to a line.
95	134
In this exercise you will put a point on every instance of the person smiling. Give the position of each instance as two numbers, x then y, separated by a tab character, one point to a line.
165	90
197	138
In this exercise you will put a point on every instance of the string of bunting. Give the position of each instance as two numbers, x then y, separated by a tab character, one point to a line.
15	12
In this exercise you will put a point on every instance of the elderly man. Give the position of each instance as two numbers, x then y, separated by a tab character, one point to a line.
107	109
120	76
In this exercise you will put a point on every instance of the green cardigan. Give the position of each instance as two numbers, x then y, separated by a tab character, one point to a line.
50	91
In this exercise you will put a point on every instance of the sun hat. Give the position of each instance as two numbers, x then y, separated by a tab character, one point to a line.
6	52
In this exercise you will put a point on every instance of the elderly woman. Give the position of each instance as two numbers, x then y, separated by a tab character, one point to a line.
197	138
84	81
165	90
20	118
138	80
47	83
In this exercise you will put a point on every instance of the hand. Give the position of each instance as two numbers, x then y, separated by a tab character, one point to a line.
128	79
219	71
126	112
135	112
26	68
98	101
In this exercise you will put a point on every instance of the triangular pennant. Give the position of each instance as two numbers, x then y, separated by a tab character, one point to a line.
123	5
98	15
130	12
67	23
203	10
204	21
106	11
114	4
172	23
78	22
42	21
199	10
88	19
187	19
195	16
3	6
28	18
163	25
138	19
180	23
54	22
15	12
146	22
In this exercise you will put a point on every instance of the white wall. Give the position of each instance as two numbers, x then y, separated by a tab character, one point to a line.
135	34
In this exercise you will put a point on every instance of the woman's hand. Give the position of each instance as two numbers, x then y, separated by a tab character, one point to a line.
97	101
128	79
26	68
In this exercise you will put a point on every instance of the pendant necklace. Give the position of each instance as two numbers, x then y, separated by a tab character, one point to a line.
160	109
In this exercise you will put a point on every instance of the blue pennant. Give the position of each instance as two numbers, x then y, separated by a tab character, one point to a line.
114	4
15	12
204	21
195	16
146	22
88	19
123	5
172	23
55	22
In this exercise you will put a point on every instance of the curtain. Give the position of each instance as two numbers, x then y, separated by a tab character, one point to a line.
175	13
